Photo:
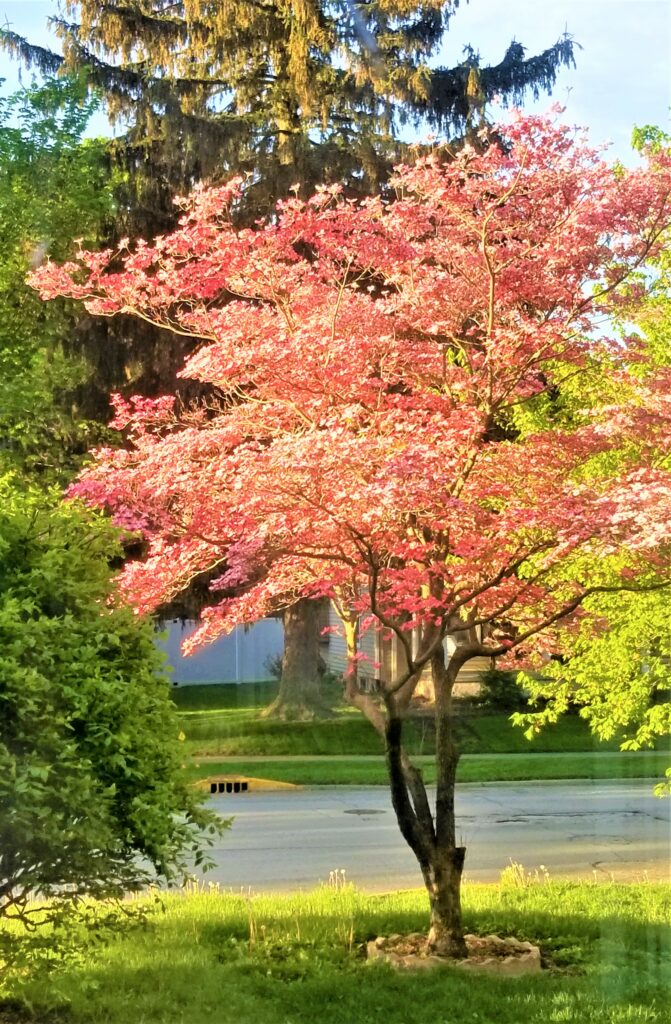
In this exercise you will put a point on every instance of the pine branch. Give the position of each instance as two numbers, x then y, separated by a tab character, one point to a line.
448	103
45	61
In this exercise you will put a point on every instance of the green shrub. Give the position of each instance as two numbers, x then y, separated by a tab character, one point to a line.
93	800
500	690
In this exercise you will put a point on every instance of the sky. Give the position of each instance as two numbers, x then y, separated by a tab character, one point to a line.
623	73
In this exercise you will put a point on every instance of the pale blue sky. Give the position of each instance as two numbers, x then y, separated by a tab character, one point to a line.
623	75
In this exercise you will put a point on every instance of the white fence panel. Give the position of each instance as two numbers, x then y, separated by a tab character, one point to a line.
241	657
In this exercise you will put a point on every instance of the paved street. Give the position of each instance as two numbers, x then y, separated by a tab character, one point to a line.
294	839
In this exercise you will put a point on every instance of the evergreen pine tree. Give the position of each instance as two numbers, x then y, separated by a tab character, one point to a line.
288	92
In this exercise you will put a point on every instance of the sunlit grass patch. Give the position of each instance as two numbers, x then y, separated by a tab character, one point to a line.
224	720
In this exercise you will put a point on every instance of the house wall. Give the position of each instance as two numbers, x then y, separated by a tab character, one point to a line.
390	656
467	684
240	657
335	654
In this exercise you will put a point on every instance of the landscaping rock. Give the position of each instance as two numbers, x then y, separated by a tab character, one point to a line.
488	954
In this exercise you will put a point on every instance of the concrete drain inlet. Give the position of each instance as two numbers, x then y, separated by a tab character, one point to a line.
226	785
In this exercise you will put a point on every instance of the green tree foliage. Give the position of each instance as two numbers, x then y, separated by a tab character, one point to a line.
92	796
616	669
619	677
53	188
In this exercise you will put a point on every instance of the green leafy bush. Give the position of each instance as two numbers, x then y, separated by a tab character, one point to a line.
93	800
500	690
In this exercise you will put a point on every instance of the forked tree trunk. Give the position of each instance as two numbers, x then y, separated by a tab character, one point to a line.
432	838
446	934
300	697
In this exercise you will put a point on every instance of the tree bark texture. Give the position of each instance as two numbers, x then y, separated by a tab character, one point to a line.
300	697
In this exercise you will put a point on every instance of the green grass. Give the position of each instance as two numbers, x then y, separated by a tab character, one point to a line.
239	731
500	768
224	720
206	696
218	958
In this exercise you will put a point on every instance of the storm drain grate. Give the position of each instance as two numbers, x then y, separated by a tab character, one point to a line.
225	784
229	787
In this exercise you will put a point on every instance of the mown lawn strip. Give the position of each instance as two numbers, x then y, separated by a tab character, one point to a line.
472	768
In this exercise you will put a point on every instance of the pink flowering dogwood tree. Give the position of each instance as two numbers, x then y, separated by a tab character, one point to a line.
374	369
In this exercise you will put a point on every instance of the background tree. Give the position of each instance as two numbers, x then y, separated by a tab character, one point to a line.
93	800
289	93
619	677
380	354
89	758
614	669
53	187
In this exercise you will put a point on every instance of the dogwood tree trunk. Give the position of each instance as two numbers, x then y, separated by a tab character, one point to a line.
432	837
446	933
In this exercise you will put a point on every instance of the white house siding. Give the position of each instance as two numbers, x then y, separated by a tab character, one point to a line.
389	655
368	646
336	652
240	657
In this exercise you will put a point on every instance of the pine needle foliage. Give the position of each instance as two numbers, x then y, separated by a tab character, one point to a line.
287	91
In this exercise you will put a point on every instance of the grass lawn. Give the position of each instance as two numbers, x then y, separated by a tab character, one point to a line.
223	720
472	768
221	958
214	696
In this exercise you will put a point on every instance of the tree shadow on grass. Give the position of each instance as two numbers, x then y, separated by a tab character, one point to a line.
216	959
300	982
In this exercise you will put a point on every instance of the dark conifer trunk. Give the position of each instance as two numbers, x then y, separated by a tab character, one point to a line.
300	697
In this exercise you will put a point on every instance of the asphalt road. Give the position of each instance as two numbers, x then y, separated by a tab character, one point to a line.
295	839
